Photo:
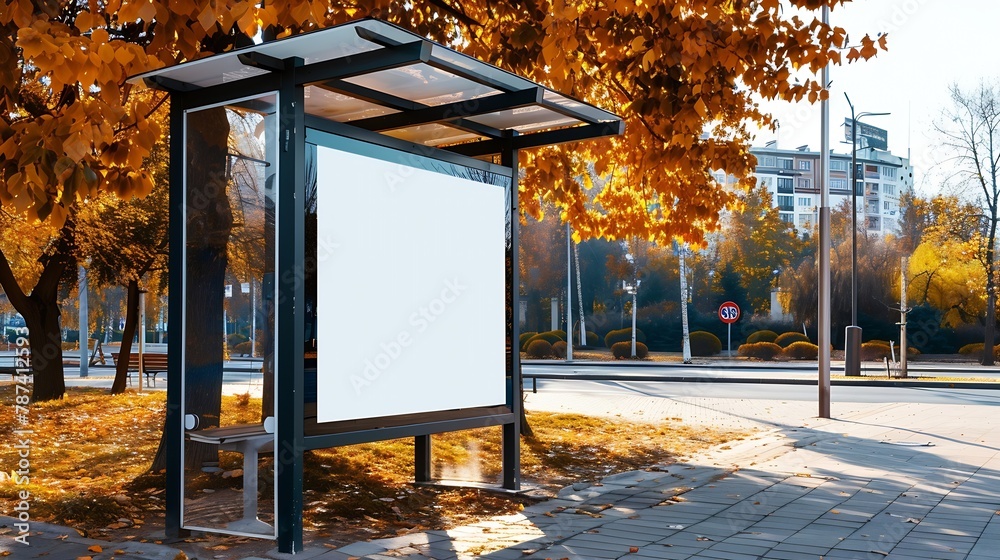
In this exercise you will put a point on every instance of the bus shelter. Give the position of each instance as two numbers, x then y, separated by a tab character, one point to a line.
361	183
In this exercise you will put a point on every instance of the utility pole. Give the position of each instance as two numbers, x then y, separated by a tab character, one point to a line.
823	313
903	309
685	337
569	293
84	324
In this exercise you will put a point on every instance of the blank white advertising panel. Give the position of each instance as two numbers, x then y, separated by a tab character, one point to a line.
410	302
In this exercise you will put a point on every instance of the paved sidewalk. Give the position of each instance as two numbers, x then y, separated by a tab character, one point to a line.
880	481
896	481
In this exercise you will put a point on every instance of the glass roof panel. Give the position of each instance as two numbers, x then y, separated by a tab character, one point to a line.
585	110
339	107
526	119
491	73
432	134
448	76
424	84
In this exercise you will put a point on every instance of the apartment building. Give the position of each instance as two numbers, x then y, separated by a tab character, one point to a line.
792	177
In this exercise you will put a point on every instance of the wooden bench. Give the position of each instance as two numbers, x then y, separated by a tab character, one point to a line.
251	440
153	363
18	365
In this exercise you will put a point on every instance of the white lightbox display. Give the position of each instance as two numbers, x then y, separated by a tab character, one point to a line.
410	289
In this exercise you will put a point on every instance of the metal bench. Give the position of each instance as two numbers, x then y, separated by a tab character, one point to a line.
251	440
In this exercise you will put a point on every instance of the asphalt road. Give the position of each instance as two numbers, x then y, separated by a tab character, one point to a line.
765	370
772	392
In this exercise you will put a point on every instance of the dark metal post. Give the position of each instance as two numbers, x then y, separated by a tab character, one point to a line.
515	391
852	336
174	425
422	458
289	322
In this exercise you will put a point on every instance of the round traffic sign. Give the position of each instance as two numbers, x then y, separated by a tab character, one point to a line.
729	312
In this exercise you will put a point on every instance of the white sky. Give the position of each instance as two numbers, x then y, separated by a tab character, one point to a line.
932	43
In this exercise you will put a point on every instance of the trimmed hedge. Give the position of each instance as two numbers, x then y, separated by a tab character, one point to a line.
623	350
559	349
801	350
243	348
976	350
522	340
762	336
875	350
759	350
704	343
624	335
786	339
539	348
551	337
236	338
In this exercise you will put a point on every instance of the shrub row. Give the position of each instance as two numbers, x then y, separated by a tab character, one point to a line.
623	350
798	350
623	335
976	349
784	339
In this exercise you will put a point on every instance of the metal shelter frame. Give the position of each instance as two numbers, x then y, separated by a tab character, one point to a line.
378	84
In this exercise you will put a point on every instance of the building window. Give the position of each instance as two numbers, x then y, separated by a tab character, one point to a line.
768	161
766	181
871	172
873	222
871	188
805	183
805	165
806	201
785	185
888	172
786	203
785	163
787	217
805	221
838	165
889	190
838	184
886	205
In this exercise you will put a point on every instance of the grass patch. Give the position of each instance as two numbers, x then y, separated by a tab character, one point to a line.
90	453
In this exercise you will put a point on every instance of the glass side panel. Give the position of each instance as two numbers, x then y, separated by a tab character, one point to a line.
228	330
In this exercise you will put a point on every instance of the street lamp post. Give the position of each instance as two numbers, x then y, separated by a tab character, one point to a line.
852	349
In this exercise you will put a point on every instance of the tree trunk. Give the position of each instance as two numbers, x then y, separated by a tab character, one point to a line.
991	322
131	320
41	313
45	341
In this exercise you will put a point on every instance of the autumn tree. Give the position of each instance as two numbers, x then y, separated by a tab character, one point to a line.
877	273
70	128
125	241
945	268
970	133
757	244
